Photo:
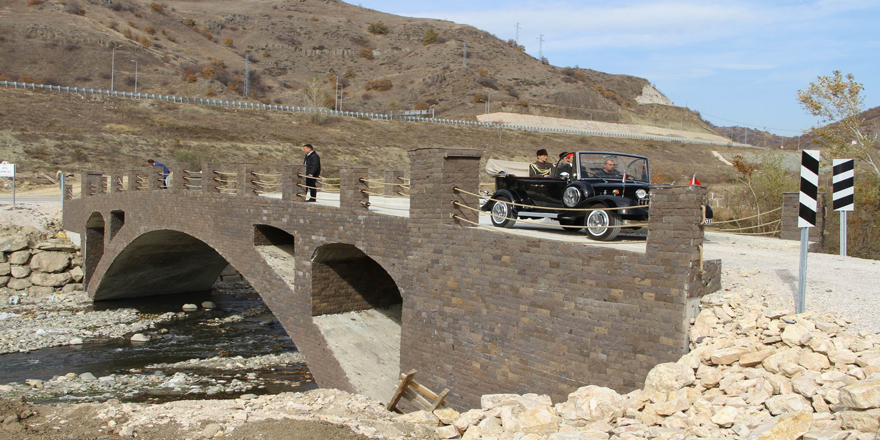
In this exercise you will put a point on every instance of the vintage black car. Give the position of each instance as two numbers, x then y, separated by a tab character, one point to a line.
594	179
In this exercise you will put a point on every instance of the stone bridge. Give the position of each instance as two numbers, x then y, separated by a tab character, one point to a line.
472	308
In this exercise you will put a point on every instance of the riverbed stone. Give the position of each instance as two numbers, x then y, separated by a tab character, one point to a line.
20	271
50	279
140	337
208	305
76	341
50	262
190	307
20	257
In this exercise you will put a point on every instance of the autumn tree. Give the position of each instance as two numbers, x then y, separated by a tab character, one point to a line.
838	102
315	99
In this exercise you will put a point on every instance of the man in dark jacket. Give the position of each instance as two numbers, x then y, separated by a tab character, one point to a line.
541	168
313	171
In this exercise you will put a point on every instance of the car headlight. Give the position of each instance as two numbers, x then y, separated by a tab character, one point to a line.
571	196
641	193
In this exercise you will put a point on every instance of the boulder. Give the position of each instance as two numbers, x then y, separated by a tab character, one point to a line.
668	377
864	394
788	403
445	432
540	420
50	279
864	421
20	257
825	434
13	244
814	361
774	361
796	334
190	307
869	358
725	417
447	416
727	356
842	357
4	280
5	269
140	337
468	419
784	427
40	291
50	262
755	358
207	305
489	401
20	271
592	403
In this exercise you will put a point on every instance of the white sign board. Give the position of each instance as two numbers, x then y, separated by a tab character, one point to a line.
7	169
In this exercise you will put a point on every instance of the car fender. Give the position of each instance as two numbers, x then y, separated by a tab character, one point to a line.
512	195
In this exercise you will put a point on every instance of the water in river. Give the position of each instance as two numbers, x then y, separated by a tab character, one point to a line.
187	338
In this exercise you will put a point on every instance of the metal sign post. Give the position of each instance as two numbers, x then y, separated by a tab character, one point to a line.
8	170
844	177
807	216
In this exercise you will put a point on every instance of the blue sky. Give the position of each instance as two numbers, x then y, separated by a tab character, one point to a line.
736	62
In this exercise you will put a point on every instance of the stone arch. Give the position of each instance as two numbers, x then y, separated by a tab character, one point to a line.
94	244
357	306
117	221
161	262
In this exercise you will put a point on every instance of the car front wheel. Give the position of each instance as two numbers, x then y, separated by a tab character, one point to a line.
600	225
503	215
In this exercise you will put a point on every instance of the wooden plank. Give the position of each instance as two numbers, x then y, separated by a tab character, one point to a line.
417	399
439	400
421	388
402	385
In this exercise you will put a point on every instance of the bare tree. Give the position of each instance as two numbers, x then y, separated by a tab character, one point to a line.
838	102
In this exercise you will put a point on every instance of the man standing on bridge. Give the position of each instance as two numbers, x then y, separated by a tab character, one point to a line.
313	171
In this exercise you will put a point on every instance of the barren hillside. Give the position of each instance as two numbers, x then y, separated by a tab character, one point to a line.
382	62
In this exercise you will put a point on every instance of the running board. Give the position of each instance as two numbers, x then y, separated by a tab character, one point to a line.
538	215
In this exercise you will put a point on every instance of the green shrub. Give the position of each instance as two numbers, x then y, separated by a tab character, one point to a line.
378	28
430	37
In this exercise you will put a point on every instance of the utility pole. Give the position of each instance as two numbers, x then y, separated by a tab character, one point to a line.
336	95
247	76
541	48
516	40
464	59
113	67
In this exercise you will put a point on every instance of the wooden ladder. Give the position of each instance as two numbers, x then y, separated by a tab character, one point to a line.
417	394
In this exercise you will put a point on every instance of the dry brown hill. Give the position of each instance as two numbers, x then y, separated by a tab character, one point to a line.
198	48
43	131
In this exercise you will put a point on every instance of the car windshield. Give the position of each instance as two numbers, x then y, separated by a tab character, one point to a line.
614	166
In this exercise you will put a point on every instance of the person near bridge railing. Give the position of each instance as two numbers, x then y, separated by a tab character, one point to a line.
313	171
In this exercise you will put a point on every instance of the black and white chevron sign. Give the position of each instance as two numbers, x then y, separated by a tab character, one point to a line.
843	184
809	188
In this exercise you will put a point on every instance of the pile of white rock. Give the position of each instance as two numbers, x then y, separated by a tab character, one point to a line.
753	373
33	265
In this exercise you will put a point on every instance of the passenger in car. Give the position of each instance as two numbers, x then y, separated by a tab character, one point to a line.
541	168
565	159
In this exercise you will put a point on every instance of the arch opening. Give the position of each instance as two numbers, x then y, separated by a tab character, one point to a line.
94	245
161	263
357	307
117	221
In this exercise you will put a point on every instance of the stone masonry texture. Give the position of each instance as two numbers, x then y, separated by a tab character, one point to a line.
483	311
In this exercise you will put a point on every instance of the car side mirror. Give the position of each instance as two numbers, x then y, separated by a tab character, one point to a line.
564	176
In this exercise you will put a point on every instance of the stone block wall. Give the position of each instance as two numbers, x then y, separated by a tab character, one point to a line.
351	285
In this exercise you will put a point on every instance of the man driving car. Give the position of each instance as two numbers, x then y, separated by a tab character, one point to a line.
609	170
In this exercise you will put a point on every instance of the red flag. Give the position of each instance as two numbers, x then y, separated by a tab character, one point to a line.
694	180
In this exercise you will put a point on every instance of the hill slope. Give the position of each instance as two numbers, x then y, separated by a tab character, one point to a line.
199	48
